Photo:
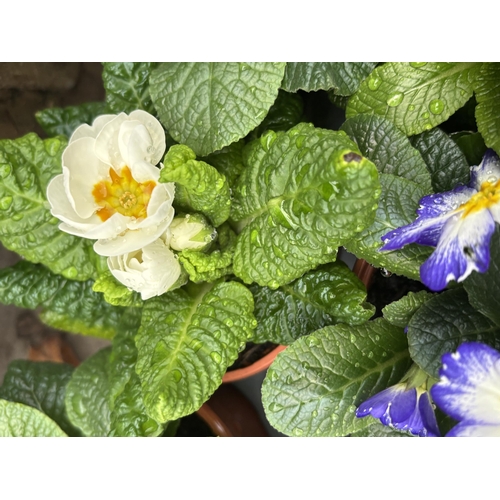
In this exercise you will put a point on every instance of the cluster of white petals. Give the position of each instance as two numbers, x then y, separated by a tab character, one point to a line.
109	191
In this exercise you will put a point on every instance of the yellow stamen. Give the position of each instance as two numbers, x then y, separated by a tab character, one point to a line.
488	196
123	194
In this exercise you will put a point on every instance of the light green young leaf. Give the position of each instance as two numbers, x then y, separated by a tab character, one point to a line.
324	296
88	394
483	289
228	161
67	305
127	86
303	193
442	324
41	385
343	77
210	105
27	227
199	186
315	385
186	343
115	293
399	313
415	96
63	121
18	420
446	163
487	89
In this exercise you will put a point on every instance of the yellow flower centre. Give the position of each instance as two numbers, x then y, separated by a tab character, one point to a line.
488	196
123	194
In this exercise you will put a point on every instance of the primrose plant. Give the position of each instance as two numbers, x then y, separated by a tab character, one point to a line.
201	208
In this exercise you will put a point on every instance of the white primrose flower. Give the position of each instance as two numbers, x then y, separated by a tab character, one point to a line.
151	270
109	189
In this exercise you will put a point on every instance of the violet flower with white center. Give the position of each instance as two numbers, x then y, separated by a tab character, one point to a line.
469	390
459	223
404	406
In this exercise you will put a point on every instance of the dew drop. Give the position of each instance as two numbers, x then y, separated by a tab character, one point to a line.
356	365
216	357
176	375
395	100
314	413
438	200
425	115
417	64
411	107
298	431
492	179
385	273
6	202
274	407
436	106
229	322
255	238
273	285
70	272
377	337
352	338
427	126
370	354
312	341
196	345
374	82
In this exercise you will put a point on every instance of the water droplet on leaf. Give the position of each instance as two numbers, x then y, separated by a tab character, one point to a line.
436	106
417	64
176	375
274	407
70	272
216	357
395	100
6	202
374	82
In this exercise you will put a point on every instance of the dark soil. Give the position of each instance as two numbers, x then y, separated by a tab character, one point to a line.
193	426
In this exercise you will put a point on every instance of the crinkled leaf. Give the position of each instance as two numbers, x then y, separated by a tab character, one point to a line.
376	429
127	86
472	146
63	121
303	193
285	113
446	163
343	77
483	289
128	415
315	385
41	385
324	296
18	420
388	148
67	305
186	343
397	207
210	105
228	161
88	393
415	96
442	324
199	186
27	227
400	312
115	293
487	89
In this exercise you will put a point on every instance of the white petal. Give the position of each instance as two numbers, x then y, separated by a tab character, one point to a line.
142	171
82	170
155	131
106	144
93	130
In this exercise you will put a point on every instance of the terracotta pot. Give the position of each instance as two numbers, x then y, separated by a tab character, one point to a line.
229	414
364	271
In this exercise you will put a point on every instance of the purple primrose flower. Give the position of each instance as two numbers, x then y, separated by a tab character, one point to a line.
403	408
459	223
469	390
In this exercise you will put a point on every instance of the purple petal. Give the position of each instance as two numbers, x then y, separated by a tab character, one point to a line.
435	205
469	388
402	406
473	429
428	416
464	246
487	170
377	405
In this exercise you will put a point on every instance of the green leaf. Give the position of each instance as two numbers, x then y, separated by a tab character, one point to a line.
376	429
27	227
446	162
343	77
397	207
415	96
128	414
18	420
388	148
87	395
199	186
487	89
41	385
127	86
325	296
210	105
285	113
228	161
399	313
67	305
483	289
63	121
115	293
304	193
472	146
314	386
442	324
186	343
